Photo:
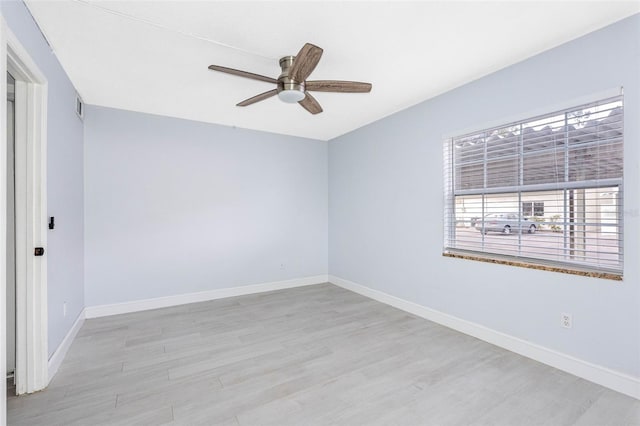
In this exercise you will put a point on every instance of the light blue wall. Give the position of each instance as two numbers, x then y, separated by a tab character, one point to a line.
64	178
175	206
386	206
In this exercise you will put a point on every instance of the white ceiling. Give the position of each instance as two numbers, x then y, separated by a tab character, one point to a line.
153	56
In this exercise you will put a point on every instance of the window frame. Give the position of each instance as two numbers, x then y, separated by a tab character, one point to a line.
536	208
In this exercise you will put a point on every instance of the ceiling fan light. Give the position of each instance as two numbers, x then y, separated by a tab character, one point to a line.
291	96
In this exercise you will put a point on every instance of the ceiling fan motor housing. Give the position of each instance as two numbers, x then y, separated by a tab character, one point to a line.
289	90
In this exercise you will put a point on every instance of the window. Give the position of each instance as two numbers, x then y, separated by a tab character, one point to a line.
545	192
530	208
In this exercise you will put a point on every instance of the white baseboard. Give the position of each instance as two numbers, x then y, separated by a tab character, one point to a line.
181	299
58	356
611	379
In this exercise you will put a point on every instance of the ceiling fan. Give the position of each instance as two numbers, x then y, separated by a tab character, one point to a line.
292	85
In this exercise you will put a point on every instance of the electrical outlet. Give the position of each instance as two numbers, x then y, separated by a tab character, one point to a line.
64	309
565	320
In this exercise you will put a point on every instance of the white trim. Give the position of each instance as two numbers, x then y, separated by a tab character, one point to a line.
3	225
58	356
611	379
181	299
31	211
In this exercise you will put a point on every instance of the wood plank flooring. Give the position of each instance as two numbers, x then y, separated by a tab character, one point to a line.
316	355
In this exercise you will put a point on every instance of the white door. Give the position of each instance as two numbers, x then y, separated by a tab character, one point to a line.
29	139
11	229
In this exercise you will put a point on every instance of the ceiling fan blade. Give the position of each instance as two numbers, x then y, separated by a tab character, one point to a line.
245	74
258	98
310	104
305	62
338	86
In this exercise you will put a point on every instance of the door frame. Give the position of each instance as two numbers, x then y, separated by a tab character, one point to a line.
31	372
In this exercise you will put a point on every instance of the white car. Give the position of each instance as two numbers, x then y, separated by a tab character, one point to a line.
505	223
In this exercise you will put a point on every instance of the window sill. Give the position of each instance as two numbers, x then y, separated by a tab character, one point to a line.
592	274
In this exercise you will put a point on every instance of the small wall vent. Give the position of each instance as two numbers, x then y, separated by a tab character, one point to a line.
79	107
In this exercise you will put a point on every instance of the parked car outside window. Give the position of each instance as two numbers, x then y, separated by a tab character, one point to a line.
505	223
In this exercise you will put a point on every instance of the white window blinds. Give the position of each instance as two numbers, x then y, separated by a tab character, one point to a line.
547	190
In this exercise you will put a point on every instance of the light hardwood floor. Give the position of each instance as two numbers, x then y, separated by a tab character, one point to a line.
316	355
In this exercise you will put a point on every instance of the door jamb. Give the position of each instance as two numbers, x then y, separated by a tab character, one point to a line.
3	226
